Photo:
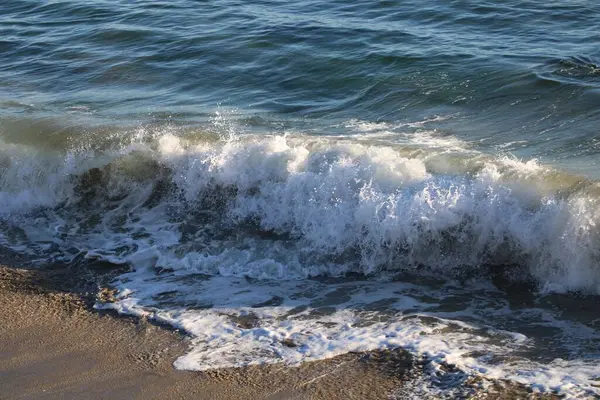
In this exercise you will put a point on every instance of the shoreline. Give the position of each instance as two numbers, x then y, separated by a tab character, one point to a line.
53	344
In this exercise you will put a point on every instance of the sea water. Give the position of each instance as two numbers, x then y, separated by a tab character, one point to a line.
290	181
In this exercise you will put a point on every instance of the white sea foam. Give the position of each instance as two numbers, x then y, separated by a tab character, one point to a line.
282	209
332	198
243	322
335	197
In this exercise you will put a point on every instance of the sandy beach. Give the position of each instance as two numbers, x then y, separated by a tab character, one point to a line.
53	345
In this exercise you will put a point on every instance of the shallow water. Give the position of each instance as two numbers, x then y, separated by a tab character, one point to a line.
291	181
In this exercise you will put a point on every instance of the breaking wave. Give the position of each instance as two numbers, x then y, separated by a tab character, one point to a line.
292	206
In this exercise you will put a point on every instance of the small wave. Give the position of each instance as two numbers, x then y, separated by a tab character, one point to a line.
333	206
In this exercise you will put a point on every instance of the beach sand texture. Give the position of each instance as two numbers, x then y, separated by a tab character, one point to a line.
53	345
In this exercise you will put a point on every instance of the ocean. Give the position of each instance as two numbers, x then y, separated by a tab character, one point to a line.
290	181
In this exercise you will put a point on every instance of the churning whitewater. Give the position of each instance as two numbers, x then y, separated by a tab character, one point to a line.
295	206
288	248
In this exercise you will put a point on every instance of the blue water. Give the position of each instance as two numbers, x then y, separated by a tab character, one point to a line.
525	71
393	161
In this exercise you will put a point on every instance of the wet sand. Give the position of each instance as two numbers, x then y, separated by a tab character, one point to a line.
53	345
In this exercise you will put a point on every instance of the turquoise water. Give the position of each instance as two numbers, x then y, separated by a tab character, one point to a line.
349	177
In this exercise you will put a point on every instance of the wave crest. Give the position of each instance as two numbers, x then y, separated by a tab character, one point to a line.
292	206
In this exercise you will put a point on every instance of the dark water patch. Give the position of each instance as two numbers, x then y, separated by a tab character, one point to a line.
582	67
272	302
580	70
